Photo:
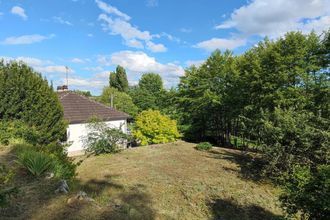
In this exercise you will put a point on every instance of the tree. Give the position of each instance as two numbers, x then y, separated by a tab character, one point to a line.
151	127
26	96
143	99
118	79
151	82
121	101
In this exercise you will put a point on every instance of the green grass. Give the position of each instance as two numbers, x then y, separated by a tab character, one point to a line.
170	181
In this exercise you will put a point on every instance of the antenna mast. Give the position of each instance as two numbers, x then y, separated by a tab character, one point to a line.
67	79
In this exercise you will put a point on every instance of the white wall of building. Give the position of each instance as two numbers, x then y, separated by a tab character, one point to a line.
76	133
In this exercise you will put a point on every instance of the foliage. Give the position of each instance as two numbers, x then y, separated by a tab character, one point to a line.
11	130
308	192
121	101
151	127
63	166
118	79
291	138
143	99
204	146
276	95
37	163
151	82
6	189
103	139
26	96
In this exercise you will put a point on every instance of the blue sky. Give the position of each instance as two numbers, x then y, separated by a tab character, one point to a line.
91	37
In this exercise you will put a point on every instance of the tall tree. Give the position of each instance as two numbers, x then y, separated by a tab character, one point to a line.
118	79
151	82
121	101
26	96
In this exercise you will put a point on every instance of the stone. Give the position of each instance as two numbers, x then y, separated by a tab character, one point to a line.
63	187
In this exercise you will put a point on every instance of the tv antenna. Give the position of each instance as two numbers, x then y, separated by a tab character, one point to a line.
67	78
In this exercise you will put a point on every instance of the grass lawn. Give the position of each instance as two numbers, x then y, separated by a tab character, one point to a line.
170	181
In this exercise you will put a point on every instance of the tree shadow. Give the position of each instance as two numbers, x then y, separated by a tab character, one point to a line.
108	199
250	164
127	203
229	210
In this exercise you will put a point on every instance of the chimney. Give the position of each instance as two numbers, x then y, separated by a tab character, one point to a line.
62	88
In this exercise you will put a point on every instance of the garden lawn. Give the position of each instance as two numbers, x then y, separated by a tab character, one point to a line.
169	181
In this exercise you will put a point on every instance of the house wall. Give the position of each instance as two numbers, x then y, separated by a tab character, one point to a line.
76	133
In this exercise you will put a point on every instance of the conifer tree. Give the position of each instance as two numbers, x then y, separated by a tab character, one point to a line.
26	96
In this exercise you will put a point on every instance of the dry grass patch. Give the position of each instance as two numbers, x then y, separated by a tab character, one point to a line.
170	181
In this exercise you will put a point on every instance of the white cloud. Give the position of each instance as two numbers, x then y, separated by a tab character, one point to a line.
60	20
156	47
274	18
134	43
111	10
220	43
137	63
16	10
28	60
53	69
152	3
26	39
94	69
1	13
90	35
123	28
196	63
117	23
77	60
85	83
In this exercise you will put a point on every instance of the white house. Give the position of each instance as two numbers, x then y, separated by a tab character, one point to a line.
78	110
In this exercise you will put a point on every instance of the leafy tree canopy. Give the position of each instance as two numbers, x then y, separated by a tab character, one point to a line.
121	101
118	79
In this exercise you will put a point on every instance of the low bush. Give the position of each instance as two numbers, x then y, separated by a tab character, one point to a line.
308	192
36	163
103	139
12	130
151	127
203	146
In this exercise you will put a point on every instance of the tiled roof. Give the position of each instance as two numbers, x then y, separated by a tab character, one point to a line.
79	109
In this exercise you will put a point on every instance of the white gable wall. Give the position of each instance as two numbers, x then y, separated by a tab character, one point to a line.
76	132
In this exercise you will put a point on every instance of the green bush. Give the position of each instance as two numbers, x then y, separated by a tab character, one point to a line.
35	162
151	127
103	139
64	169
25	95
204	146
13	130
308	192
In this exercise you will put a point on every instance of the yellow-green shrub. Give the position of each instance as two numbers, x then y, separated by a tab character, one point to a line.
152	127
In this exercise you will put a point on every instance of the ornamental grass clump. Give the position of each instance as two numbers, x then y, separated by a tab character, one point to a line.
36	163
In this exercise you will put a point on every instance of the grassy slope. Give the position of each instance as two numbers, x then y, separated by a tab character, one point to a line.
171	181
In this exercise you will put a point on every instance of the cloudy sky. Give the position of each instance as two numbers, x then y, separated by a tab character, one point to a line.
91	37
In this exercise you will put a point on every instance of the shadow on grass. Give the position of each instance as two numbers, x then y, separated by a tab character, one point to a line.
229	210
37	198
250	164
128	203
